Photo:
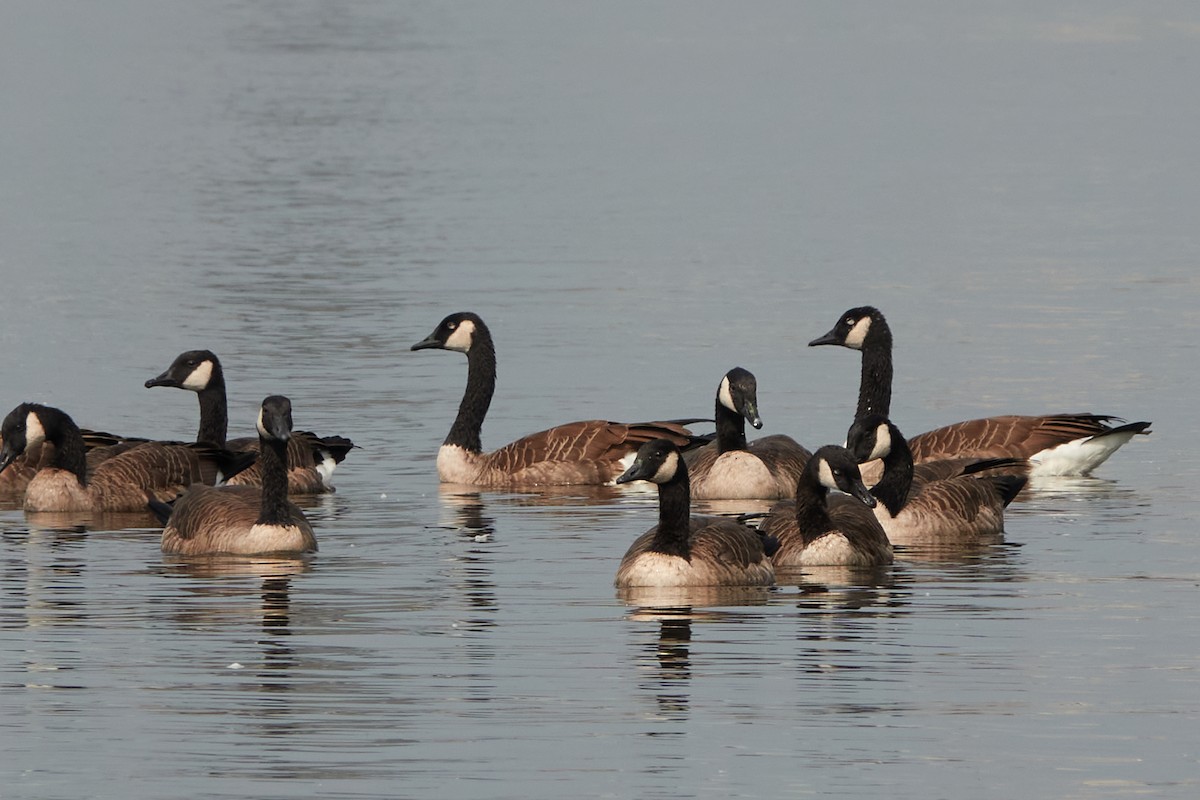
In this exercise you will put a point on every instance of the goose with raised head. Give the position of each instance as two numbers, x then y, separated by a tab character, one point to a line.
685	550
816	530
120	483
968	504
1054	444
732	469
311	458
584	452
244	520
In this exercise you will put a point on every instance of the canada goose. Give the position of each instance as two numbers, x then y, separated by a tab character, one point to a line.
585	452
816	530
120	483
311	458
244	520
731	469
966	505
1057	444
685	550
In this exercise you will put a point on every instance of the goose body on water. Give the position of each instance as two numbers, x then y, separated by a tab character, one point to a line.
243	520
732	469
817	530
584	452
121	482
968	504
1054	444
311	458
684	550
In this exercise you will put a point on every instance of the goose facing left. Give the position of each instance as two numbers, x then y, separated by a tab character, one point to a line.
120	483
733	469
584	452
244	520
311	458
684	550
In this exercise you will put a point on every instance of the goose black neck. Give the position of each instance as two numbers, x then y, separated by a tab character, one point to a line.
481	383
273	458
69	451
875	385
674	516
893	488
812	513
731	429
214	411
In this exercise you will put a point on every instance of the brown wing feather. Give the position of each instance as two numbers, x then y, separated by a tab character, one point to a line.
724	552
122	482
1011	435
218	519
588	451
867	543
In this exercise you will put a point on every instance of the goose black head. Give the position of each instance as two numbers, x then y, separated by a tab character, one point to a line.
657	461
22	428
870	437
836	469
739	393
193	370
853	328
455	332
275	418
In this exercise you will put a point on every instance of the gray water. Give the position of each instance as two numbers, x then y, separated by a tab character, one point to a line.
636	197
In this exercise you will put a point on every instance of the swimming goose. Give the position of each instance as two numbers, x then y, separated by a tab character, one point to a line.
731	469
121	482
244	520
969	504
685	550
816	530
585	452
1056	444
311	458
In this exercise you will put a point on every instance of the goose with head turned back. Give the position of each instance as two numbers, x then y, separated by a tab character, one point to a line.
685	550
732	469
970	504
1056	444
816	530
311	458
585	452
120	483
243	520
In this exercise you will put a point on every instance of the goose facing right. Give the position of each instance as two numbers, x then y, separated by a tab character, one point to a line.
243	520
311	458
732	469
684	550
121	482
969	504
584	452
816	530
1054	444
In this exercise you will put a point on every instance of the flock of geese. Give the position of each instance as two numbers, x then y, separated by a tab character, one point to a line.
217	495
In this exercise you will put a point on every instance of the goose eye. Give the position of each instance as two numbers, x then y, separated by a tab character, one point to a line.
451	325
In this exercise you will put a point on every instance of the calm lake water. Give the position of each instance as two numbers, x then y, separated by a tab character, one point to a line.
636	197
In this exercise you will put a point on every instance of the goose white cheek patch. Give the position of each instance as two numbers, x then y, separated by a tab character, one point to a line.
462	337
34	432
858	334
197	380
